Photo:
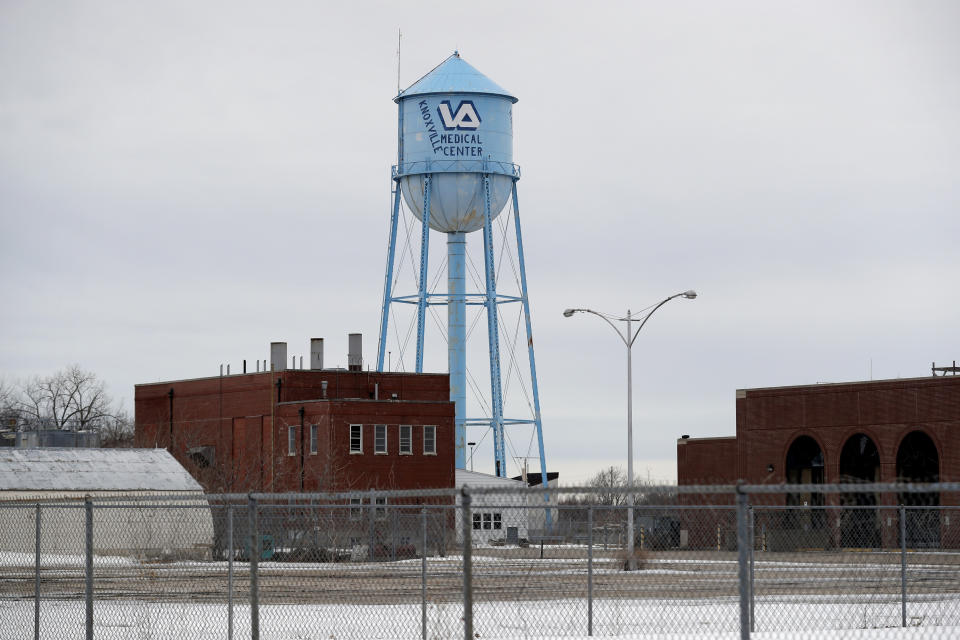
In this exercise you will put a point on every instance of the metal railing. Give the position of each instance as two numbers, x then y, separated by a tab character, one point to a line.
482	562
419	167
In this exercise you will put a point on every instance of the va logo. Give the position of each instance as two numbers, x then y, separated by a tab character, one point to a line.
464	118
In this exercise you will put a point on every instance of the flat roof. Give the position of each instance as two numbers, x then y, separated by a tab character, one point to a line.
308	371
821	385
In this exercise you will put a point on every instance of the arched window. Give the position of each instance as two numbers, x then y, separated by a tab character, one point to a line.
859	521
918	461
804	466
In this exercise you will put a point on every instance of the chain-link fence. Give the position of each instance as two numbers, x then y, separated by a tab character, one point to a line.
787	561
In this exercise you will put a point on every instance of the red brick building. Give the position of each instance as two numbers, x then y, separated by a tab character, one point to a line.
304	430
879	431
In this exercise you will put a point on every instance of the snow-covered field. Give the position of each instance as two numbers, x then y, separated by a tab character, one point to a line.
142	600
783	618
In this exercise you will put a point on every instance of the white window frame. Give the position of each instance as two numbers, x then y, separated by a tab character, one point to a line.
377	429
497	521
432	430
292	440
408	450
314	438
487	521
360	430
477	521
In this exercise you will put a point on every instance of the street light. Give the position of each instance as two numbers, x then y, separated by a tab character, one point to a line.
628	337
471	445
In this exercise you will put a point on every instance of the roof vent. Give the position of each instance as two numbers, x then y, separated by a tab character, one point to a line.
278	356
355	352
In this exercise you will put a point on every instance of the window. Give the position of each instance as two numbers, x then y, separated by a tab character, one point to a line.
291	441
406	439
380	511
356	511
313	439
430	440
487	521
356	438
380	438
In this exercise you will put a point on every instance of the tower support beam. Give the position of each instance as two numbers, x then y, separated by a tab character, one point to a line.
457	338
493	336
424	254
533	363
388	279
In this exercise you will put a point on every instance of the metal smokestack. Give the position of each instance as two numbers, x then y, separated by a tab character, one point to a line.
355	352
278	356
316	353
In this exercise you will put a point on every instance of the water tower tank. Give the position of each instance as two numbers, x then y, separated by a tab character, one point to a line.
456	124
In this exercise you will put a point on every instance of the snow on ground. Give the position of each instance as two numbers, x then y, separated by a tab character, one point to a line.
782	619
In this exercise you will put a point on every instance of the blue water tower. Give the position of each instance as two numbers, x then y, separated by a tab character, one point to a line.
455	172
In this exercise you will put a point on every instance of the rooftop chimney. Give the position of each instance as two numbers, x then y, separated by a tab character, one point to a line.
316	353
355	352
278	356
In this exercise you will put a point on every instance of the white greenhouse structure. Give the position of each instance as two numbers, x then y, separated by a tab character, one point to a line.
121	483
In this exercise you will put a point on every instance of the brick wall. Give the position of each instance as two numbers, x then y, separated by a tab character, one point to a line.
232	433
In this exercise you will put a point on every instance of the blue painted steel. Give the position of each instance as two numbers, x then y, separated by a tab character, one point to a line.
457	338
455	171
456	125
454	75
533	363
424	254
456	159
388	279
493	336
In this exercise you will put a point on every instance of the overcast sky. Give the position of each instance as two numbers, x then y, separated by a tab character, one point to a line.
183	182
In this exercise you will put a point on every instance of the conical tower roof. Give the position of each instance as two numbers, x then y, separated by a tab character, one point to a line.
454	75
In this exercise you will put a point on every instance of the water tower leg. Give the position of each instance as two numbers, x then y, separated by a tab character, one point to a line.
457	337
493	335
422	292
388	279
533	363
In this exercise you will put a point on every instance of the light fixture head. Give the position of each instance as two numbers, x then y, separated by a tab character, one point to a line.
689	295
569	312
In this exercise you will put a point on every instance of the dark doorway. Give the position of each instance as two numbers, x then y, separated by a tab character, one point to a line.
807	526
859	520
918	461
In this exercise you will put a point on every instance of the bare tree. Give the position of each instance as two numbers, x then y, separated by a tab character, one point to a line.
69	399
9	411
611	482
117	431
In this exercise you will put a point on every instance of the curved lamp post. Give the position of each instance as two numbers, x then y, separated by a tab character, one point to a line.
628	337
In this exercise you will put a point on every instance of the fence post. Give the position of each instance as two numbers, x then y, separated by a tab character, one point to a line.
743	541
590	571
394	522
230	572
254	568
370	528
423	574
88	509
903	566
467	528
752	545
36	581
